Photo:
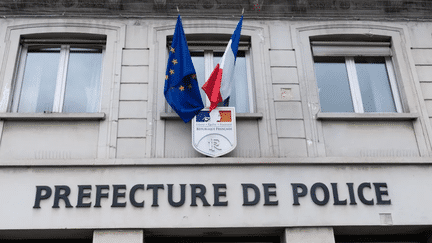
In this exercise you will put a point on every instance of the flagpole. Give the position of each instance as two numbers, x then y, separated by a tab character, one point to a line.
178	11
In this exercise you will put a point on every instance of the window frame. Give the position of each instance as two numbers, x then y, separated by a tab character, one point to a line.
115	36
349	50
65	46
261	82
409	87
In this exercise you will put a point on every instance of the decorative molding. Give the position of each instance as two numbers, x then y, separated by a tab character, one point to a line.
301	5
394	5
344	5
160	4
239	116
256	5
66	4
367	116
259	8
111	4
15	4
207	4
52	116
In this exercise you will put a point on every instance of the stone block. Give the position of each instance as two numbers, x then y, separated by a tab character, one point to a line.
136	35
133	92
284	75
429	107
133	109
292	147
288	110
426	88
131	148
132	128
135	57
424	73
309	235
290	128
118	236
280	36
422	56
134	74
417	33
282	58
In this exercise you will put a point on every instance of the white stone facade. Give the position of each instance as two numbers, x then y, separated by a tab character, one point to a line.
362	172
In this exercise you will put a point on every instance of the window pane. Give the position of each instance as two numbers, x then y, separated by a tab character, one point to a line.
239	95
333	86
83	81
374	84
216	58
198	62
39	81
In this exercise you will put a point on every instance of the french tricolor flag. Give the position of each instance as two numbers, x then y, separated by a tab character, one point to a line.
219	84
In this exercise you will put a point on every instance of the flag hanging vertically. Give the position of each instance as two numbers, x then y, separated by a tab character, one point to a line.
219	84
181	87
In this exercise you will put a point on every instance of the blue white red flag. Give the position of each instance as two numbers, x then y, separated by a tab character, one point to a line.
218	86
223	116
181	87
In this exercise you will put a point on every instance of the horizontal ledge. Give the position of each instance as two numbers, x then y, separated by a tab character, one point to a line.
349	43
134	65
366	116
224	161
144	48
52	116
239	116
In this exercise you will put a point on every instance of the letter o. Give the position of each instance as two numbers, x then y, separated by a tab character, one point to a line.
326	194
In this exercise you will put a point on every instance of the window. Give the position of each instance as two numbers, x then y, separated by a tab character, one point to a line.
206	54
58	75
355	77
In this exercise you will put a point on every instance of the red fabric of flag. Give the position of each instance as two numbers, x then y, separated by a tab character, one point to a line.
212	87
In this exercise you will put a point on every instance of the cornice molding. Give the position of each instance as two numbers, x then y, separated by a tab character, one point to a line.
220	8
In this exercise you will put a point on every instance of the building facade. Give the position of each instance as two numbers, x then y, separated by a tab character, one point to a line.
334	136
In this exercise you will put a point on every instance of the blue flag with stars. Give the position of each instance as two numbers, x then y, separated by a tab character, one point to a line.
181	86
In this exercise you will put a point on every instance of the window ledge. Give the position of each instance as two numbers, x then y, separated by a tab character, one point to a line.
366	116
52	116
239	116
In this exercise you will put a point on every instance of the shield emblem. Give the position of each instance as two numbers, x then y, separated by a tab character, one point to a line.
214	133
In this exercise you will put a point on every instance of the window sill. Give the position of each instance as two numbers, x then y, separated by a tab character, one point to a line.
367	116
239	116
52	116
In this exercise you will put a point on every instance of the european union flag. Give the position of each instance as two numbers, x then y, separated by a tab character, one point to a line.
203	116
181	86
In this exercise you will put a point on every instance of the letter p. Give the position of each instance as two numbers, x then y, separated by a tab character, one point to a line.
296	193
40	196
